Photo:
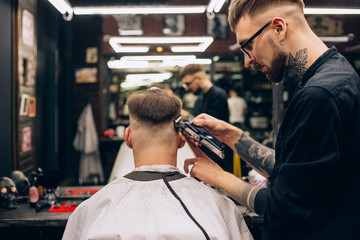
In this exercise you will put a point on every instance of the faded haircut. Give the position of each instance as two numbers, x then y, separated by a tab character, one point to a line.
240	8
191	69
154	107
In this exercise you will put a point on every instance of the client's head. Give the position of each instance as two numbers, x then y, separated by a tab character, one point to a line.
151	132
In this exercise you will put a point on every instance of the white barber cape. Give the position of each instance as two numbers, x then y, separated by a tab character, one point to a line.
147	209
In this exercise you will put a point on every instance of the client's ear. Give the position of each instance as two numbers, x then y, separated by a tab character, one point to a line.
128	137
182	140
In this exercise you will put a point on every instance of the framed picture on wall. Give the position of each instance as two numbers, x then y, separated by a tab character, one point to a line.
91	55
27	28
32	107
174	25
24	105
27	76
26	139
129	25
86	75
217	27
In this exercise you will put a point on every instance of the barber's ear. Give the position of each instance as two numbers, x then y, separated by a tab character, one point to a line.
182	140
128	140
280	27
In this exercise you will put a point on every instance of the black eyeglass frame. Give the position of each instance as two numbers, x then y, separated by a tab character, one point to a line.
185	85
242	46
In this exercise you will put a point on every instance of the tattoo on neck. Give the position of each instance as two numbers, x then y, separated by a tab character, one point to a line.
297	64
256	155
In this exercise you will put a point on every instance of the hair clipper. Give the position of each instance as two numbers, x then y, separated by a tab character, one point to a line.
199	134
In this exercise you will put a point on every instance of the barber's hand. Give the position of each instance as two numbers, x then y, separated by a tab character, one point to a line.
223	131
203	168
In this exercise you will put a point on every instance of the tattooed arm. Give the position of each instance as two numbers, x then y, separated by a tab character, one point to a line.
256	155
209	172
204	169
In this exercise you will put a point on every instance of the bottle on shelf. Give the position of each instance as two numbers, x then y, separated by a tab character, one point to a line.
33	190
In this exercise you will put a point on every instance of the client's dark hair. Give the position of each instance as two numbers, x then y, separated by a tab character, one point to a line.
154	106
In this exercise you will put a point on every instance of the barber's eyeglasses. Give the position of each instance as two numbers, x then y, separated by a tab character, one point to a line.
243	46
185	85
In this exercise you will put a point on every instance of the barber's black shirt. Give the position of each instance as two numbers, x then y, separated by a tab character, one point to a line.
313	192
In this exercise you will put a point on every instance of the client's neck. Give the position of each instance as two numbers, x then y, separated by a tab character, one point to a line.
154	155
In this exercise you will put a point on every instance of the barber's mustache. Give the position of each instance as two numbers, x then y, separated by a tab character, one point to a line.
256	66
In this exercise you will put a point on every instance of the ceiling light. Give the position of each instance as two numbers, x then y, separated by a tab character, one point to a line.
138	83
136	80
234	47
331	11
149	76
159	40
158	57
201	43
215	5
219	5
216	58
339	39
204	61
118	64
139	10
118	48
130	32
63	6
155	61
159	49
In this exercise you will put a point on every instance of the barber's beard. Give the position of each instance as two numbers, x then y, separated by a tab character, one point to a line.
277	69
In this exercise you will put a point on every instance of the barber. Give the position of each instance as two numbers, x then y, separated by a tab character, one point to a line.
316	157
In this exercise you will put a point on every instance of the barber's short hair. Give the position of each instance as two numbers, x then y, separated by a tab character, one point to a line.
154	106
191	69
240	8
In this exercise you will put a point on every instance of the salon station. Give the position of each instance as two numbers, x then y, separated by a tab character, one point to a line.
68	66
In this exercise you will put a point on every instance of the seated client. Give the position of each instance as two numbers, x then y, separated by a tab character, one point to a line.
156	201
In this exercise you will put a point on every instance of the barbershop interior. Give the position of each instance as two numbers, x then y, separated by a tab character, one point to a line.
68	66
